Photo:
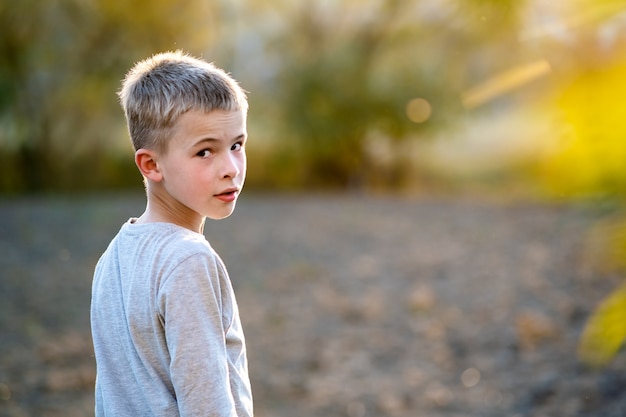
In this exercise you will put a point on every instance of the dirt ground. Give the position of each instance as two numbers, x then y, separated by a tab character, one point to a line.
353	306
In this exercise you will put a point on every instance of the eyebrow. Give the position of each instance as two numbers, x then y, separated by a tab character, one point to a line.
213	140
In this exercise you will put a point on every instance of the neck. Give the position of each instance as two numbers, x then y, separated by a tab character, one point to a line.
165	210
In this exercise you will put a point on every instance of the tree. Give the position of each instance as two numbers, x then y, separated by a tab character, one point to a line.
61	65
347	71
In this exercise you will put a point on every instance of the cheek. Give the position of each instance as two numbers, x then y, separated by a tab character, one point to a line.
244	165
186	179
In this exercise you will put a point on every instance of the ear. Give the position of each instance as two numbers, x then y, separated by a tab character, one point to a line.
145	160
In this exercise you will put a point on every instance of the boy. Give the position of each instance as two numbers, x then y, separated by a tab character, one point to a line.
165	324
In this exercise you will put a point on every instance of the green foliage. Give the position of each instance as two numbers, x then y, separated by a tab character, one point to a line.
348	83
61	65
329	82
330	105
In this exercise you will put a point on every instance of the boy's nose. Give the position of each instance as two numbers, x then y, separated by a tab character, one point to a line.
230	167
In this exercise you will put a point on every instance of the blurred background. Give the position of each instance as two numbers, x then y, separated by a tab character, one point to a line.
375	95
492	128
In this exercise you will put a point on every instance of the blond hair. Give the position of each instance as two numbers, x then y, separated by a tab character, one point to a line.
157	90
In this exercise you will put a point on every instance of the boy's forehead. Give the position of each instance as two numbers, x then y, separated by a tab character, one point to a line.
218	123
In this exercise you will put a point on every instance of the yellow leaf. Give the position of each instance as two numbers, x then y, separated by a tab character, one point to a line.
605	331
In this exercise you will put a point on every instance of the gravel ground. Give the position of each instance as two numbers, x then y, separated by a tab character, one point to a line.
353	306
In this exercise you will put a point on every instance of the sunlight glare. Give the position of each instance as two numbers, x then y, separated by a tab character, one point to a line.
504	82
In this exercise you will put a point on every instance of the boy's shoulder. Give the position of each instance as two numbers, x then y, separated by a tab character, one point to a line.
164	239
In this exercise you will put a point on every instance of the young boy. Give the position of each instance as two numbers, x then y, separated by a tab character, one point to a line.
165	324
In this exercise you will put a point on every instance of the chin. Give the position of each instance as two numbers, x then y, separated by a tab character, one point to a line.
220	216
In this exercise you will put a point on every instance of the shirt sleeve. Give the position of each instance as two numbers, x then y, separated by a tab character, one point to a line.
190	303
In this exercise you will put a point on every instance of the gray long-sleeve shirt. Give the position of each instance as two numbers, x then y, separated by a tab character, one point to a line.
166	330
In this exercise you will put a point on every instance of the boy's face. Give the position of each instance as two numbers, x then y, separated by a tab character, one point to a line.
204	167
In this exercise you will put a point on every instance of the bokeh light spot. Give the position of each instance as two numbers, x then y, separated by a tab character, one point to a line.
418	110
470	377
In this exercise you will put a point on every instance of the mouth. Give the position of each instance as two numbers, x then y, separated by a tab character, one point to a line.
228	195
229	191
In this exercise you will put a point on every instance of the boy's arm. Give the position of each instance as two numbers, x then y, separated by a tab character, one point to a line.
190	302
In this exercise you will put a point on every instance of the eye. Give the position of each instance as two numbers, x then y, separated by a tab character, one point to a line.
205	153
237	146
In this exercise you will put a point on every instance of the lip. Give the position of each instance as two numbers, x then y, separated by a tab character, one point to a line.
228	195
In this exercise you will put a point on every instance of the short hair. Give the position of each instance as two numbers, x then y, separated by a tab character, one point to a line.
157	90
